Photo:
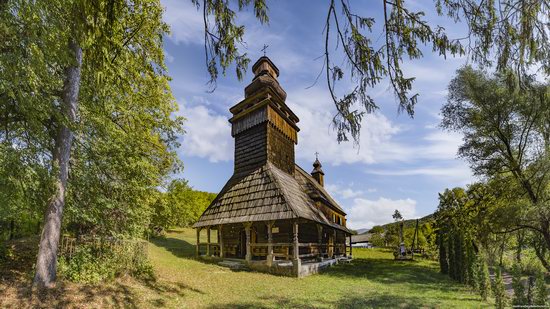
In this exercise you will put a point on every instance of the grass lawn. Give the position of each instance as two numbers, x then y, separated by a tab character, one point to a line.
372	280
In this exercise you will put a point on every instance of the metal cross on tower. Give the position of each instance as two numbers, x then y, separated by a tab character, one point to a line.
317	155
265	48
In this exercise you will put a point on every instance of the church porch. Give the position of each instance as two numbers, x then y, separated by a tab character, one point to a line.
285	247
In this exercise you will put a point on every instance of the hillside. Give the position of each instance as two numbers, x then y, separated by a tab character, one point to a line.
407	223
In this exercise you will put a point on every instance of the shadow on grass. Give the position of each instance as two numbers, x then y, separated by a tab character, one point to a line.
119	294
167	290
177	247
376	301
389	271
20	295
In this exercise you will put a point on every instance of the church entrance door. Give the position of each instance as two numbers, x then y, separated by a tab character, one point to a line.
242	244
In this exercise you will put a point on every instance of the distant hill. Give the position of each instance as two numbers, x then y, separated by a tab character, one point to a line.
407	223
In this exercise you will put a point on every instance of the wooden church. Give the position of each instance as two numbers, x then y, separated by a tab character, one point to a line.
272	215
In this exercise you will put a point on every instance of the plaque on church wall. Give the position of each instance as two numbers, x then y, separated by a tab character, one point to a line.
274	230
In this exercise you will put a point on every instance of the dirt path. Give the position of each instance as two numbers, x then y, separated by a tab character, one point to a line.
507	279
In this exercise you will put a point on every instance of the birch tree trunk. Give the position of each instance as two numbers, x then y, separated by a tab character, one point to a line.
46	263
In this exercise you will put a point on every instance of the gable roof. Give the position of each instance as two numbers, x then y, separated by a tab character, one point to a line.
267	193
315	190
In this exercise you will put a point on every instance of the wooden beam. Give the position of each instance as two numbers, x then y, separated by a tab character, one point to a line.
345	246
320	239
334	244
197	251
295	243
220	240
296	262
248	256
208	241
269	257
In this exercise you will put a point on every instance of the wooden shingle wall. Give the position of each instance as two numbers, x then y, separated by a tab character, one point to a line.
280	150
251	149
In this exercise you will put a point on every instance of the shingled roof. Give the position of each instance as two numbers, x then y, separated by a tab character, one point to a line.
268	193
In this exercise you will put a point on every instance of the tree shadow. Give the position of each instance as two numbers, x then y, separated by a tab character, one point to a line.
20	294
177	247
168	290
374	301
388	271
19	255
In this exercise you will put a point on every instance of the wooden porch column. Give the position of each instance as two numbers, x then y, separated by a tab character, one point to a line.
345	246
248	256
296	262
295	243
197	251
269	258
320	240
350	247
220	240
208	241
334	245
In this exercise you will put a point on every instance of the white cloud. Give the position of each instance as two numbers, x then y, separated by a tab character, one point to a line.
346	192
458	173
314	108
366	213
186	23
441	145
208	135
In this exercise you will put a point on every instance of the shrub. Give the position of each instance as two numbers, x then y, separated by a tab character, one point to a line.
517	285
499	291
88	265
93	262
483	281
541	293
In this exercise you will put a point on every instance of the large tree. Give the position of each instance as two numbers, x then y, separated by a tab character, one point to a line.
85	98
504	33
506	139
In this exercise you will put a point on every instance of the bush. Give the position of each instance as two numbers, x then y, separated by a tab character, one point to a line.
541	293
482	279
499	291
94	262
519	288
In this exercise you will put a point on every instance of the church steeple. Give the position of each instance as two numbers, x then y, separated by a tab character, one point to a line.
263	126
317	172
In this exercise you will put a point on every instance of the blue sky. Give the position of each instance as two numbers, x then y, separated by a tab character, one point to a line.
402	163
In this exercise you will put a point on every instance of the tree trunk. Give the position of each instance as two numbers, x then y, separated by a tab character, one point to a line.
519	236
46	263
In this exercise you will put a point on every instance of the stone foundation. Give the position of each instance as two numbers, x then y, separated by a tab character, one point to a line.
283	267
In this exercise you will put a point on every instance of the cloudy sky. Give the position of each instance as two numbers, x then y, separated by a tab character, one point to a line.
402	163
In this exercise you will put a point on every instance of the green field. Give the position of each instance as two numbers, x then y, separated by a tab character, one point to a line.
373	280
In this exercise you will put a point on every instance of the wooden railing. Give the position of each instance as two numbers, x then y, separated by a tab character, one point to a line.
280	250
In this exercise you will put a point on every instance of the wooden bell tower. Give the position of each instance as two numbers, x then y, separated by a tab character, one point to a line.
263	126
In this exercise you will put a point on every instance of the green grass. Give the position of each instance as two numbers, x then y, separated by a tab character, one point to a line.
374	279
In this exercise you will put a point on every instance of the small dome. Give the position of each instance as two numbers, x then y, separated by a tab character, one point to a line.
317	167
